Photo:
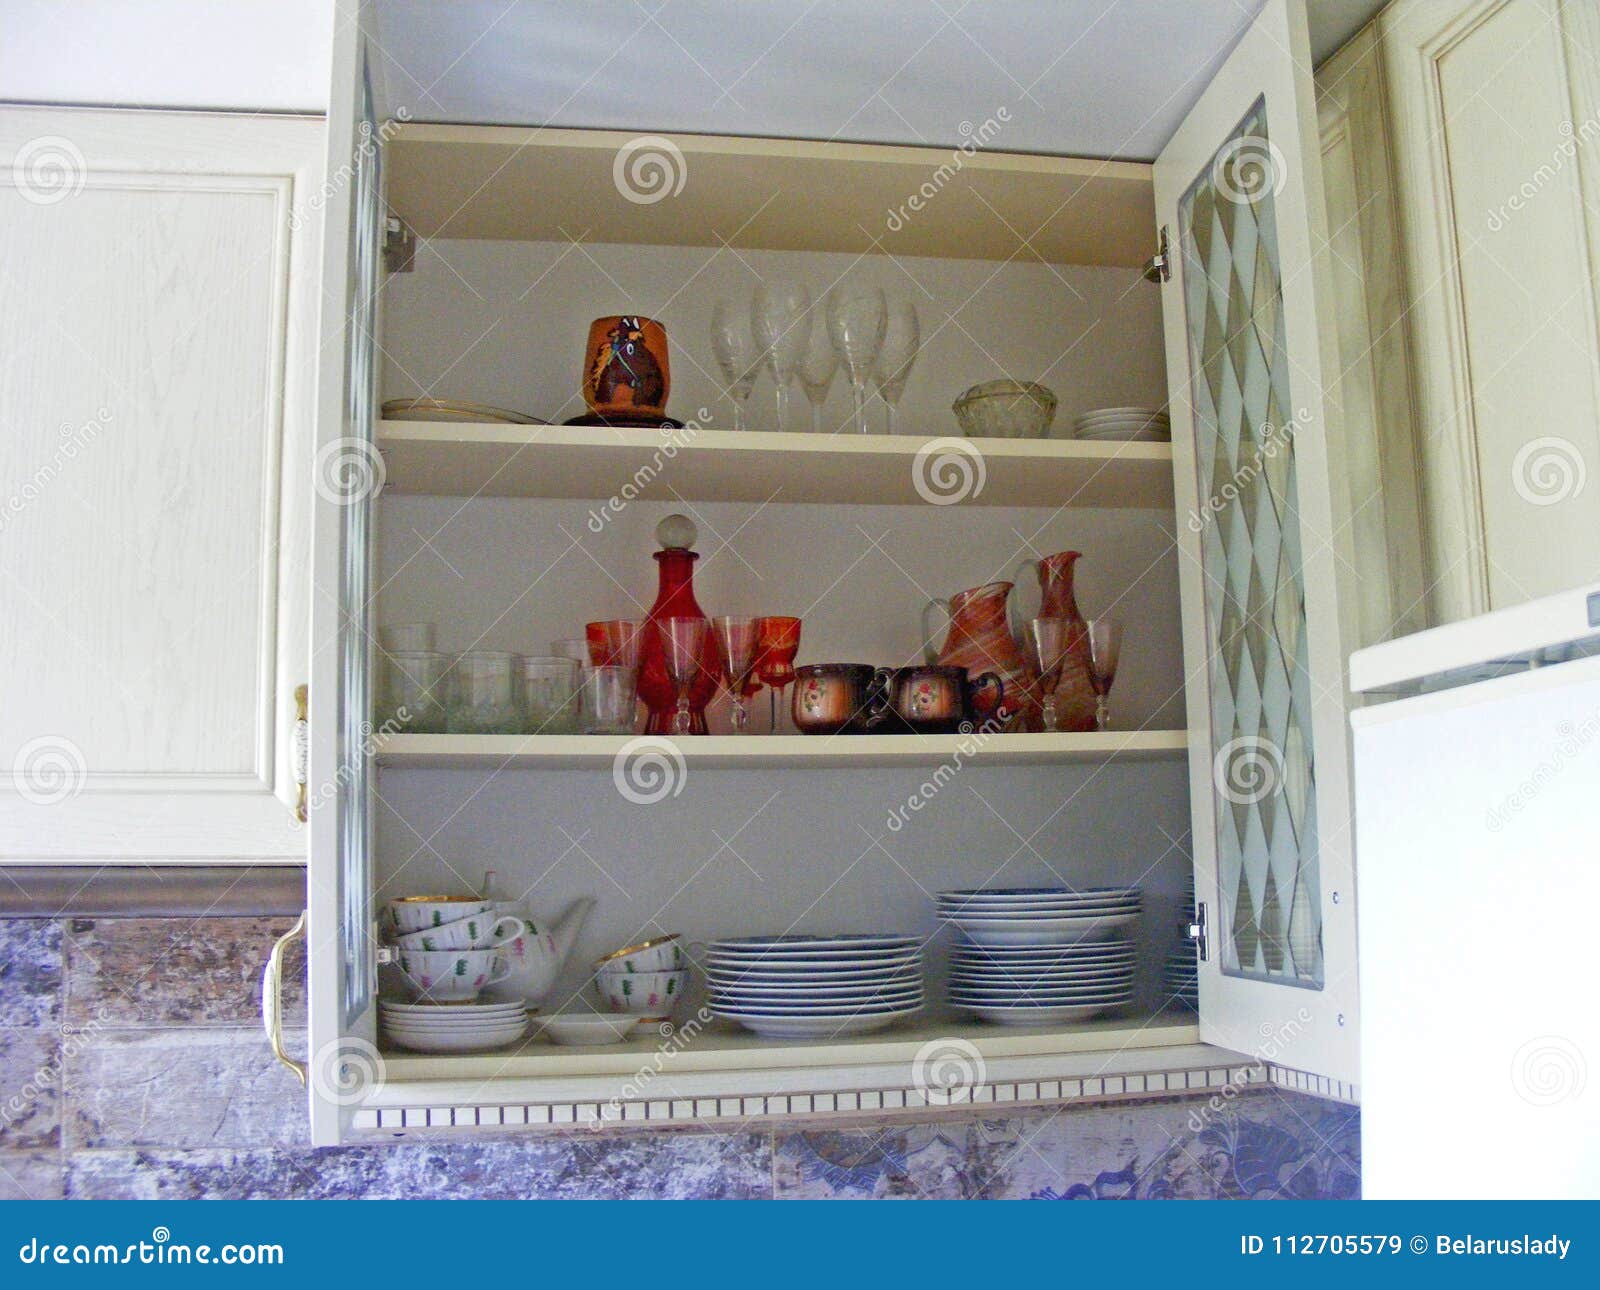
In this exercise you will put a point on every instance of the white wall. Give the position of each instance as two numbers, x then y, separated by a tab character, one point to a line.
252	55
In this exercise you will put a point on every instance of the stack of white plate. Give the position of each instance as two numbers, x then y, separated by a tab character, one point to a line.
1180	979
1042	985
797	987
453	1027
1039	915
1122	423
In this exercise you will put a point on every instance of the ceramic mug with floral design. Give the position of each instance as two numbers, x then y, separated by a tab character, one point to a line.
478	932
838	698
935	699
452	976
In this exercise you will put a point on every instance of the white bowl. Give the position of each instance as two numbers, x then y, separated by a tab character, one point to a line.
585	1027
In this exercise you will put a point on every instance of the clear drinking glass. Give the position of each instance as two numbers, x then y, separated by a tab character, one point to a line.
550	695
482	698
610	700
682	640
816	371
407	638
1105	646
738	359
780	323
413	690
739	641
1048	642
902	335
856	319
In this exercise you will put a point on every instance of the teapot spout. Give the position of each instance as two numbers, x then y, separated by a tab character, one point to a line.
565	929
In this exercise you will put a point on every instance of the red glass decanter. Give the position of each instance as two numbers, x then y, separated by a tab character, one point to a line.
675	599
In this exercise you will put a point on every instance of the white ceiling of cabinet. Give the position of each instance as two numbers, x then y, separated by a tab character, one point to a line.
1101	78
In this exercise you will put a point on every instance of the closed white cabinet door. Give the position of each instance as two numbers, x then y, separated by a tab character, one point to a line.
1262	526
157	351
1495	108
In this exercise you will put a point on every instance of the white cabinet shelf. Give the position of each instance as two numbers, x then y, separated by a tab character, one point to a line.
461	459
563	752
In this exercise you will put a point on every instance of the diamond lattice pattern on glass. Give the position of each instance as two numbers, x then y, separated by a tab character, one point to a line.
1251	555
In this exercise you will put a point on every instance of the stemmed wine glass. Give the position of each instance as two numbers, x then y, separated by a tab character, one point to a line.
816	371
780	322
779	643
856	318
733	345
739	641
1105	644
1049	642
902	334
682	640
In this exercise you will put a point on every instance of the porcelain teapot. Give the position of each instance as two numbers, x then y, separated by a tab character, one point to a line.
537	956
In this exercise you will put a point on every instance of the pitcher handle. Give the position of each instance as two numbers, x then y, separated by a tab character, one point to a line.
1014	616
930	651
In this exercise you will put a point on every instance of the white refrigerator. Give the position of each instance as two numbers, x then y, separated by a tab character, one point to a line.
1477	790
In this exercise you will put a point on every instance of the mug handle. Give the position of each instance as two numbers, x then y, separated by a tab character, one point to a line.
500	971
879	696
497	938
984	681
930	650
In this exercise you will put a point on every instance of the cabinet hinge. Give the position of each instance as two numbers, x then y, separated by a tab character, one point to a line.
1158	268
1196	932
399	245
302	751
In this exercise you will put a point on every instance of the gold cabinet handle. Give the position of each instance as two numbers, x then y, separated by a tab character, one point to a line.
272	997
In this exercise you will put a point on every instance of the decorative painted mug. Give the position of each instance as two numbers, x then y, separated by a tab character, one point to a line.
478	932
838	698
646	994
934	699
625	372
452	976
414	913
662	954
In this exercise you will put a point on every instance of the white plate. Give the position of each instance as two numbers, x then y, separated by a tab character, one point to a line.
1065	953
908	986
1053	1016
1041	998
585	1027
450	1009
1122	412
1069	980
826	1008
808	944
806	976
773	1027
444	1043
408	1023
1033	893
479	1032
1037	931
806	966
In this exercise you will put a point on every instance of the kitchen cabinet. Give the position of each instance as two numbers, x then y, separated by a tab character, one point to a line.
160	358
1487	114
1229	762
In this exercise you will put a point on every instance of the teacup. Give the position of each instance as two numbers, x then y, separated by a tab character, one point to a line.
478	932
661	954
940	700
453	976
837	698
645	994
414	913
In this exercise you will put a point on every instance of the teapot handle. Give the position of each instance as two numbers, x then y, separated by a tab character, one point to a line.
930	650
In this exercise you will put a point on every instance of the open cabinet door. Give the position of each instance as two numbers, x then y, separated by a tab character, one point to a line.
1260	529
343	1062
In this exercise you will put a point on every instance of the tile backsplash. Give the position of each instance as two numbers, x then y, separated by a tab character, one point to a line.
132	1064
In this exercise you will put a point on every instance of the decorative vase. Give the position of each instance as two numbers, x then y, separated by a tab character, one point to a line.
1075	701
625	372
675	599
980	640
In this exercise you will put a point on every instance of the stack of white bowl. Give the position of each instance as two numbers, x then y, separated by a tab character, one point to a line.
1150	424
448	949
796	987
646	981
1041	955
